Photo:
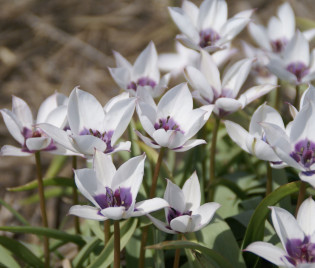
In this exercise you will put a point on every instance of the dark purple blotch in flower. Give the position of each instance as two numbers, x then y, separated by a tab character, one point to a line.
299	69
208	37
36	133
167	124
304	153
105	136
143	81
279	45
120	198
300	251
173	213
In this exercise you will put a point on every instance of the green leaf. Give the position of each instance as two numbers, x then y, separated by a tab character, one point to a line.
16	214
255	229
21	251
57	181
230	185
49	193
53	233
106	257
213	255
305	24
6	259
85	252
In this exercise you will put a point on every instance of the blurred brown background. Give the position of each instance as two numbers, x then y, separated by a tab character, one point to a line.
56	45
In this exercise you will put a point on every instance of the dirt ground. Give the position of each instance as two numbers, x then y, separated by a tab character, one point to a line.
58	44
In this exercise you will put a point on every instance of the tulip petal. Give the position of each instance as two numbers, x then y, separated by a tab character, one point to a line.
113	213
268	252
306	216
86	212
104	168
23	112
86	144
121	76
191	190
297	50
185	224
175	197
189	144
13	124
160	225
122	61
37	144
226	105
9	150
148	206
147	140
260	36
206	211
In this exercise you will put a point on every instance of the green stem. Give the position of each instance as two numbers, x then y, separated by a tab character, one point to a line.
301	196
278	97
106	232
212	157
177	254
116	244
297	97
269	179
42	205
145	230
75	197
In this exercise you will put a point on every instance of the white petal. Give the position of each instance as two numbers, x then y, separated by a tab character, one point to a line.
306	216
113	213
185	223
189	144
287	17
191	10
113	101
146	64
159	89
308	178
50	104
37	144
86	212
210	70
9	150
309	34
259	34
191	190
184	23
206	211
160	225
121	75
198	82
176	101
121	61
285	225
118	117
147	141
58	135
22	112
84	111
122	146
13	124
226	106
104	168
130	175
238	134
58	117
212	14
86	144
189	42
148	206
264	113
277	68
175	197
278	139
88	184
268	252
302	126
297	50
262	150
172	62
236	75
170	138
254	93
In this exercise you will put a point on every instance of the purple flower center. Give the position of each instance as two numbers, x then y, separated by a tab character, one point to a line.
279	45
299	69
35	133
105	136
300	251
304	153
208	37
173	213
120	198
167	124
143	81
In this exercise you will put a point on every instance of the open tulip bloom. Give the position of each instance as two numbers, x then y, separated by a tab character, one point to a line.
93	126
173	121
224	95
296	148
23	127
295	64
279	32
144	73
207	27
113	192
184	214
297	237
254	140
